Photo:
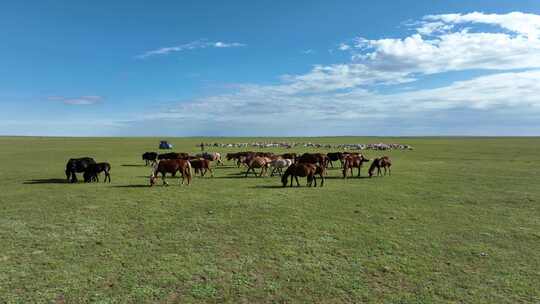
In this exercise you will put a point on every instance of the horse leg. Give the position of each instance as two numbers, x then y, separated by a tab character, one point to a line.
211	172
322	180
358	172
297	183
163	177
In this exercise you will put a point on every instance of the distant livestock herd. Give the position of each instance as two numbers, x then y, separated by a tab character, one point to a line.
309	165
372	146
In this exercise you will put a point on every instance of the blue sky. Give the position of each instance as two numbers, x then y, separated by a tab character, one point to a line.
269	68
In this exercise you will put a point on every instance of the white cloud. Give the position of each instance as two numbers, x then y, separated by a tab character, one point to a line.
344	95
527	25
220	44
344	47
198	44
82	100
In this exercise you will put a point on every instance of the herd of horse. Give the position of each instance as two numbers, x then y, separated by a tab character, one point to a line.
287	165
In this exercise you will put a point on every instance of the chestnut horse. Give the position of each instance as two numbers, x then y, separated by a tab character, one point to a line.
201	165
171	166
303	170
353	161
258	162
313	158
384	162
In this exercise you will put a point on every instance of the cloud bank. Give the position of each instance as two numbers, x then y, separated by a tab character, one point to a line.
370	91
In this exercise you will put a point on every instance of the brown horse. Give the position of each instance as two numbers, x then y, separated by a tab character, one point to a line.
173	155
258	162
239	157
303	170
201	166
313	158
353	161
171	166
381	162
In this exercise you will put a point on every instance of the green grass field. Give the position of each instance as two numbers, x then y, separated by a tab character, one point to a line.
457	222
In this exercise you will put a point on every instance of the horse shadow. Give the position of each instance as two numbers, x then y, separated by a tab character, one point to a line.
269	187
132	186
46	181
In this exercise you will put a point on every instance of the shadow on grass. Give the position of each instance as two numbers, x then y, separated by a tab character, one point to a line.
268	187
281	186
132	186
46	181
348	177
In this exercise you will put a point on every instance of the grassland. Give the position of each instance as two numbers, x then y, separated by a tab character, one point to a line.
457	222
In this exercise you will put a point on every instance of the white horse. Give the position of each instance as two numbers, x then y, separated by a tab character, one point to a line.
280	164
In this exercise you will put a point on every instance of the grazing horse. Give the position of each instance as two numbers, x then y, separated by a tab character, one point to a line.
258	162
77	165
335	156
91	174
211	156
171	166
303	170
173	155
150	158
313	158
378	163
201	165
353	161
279	164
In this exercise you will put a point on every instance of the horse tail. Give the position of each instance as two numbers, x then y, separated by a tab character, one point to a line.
188	172
154	170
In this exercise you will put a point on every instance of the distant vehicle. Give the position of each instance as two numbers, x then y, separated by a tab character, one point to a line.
165	145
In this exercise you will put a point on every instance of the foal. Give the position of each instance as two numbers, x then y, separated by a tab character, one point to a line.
381	162
91	174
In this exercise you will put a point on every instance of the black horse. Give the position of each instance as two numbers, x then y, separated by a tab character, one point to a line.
77	165
335	156
91	174
150	157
